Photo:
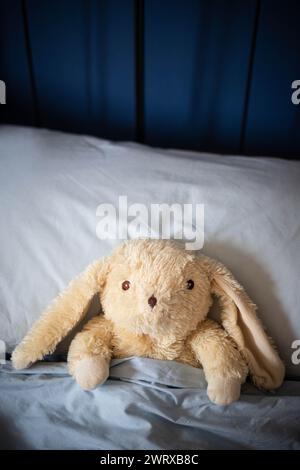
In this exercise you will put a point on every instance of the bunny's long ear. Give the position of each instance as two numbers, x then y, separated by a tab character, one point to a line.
61	316
242	324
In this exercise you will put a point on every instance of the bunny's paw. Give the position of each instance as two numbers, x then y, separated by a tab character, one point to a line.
223	391
91	371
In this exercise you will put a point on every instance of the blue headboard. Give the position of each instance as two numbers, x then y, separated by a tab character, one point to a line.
212	75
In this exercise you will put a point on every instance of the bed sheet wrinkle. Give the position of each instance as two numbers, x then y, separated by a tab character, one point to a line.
149	404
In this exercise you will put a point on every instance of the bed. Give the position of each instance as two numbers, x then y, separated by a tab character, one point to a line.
145	404
51	186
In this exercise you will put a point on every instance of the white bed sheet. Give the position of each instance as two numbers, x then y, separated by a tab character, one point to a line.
51	184
146	404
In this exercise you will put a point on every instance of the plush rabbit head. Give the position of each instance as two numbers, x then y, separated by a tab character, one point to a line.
156	288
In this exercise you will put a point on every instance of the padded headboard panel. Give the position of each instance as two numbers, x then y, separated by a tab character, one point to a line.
211	75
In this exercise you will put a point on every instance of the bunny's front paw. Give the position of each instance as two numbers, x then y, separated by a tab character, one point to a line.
222	391
91	371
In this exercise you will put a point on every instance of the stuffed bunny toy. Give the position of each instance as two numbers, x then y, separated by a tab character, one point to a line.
156	297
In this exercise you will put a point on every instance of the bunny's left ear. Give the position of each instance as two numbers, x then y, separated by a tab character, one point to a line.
69	307
239	319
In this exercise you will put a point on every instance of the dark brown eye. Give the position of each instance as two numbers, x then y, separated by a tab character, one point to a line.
190	284
125	285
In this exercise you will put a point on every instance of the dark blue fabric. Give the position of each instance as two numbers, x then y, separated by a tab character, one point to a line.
199	74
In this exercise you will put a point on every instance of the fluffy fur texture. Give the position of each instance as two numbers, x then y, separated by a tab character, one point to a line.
176	328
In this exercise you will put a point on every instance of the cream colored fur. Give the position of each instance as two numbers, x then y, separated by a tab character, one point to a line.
176	328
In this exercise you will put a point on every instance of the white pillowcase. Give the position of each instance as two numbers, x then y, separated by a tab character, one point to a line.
51	184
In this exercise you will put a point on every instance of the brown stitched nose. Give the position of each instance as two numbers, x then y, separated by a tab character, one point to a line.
152	301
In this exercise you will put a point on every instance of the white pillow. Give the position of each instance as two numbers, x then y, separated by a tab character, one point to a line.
51	184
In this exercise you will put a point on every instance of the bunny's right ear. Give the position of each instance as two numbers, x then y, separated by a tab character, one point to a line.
61	316
240	320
